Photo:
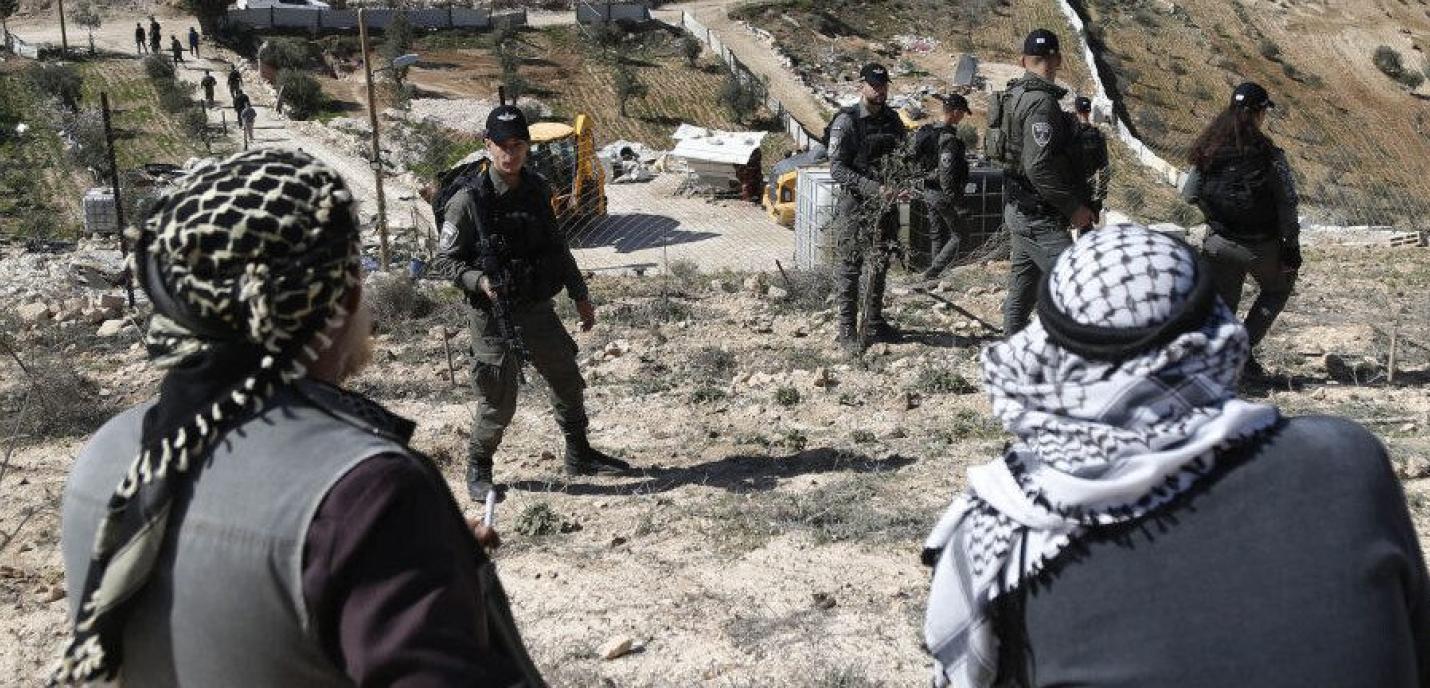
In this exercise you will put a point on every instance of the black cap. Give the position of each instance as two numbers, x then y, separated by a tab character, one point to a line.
507	121
1083	104
874	74
954	101
1251	96
1041	42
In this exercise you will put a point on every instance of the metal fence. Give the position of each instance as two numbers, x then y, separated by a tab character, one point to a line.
343	20
802	136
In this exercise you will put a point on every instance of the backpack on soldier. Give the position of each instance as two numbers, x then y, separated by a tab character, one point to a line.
1236	195
461	176
926	147
1088	148
998	145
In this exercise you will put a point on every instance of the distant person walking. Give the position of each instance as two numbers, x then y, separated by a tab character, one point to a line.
248	116
1244	186
235	82
141	44
176	48
155	36
208	83
194	42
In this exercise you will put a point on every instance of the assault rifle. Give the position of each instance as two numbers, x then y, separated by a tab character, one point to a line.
497	268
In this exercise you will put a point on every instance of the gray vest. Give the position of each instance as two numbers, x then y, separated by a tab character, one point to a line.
225	604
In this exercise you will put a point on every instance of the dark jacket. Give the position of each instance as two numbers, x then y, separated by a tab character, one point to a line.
1039	126
858	142
1294	564
952	172
1287	224
523	219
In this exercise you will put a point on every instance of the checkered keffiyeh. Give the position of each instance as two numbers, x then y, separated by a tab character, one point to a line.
1097	440
247	262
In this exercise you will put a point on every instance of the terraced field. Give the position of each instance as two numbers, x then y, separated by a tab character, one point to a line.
564	70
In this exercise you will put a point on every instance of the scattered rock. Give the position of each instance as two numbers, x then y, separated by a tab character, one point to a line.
547	456
754	284
1413	468
95	316
721	287
823	600
54	594
613	350
33	312
616	647
617	541
822	378
111	302
111	328
777	293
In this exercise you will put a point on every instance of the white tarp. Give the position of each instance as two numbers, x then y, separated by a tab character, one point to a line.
709	145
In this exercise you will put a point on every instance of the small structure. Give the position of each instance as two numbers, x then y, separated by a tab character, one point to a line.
725	161
100	212
965	71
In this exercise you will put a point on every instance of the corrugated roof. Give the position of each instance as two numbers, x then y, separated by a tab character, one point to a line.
730	147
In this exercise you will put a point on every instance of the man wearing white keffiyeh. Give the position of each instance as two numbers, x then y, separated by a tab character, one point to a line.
1121	398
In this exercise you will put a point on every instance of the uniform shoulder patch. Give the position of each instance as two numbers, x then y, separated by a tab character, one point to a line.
448	239
1042	133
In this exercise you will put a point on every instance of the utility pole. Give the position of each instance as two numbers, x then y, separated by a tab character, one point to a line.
376	145
114	187
64	39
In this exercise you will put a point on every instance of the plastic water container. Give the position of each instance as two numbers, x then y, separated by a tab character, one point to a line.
100	214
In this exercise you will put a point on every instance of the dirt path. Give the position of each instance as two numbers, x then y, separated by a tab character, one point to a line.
271	128
760	58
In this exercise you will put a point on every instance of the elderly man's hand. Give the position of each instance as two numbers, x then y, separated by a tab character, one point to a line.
486	537
587	312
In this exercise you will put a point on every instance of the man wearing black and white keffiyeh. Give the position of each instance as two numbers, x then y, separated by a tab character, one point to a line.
255	524
1121	399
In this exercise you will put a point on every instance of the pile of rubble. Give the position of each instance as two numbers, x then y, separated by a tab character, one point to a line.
77	288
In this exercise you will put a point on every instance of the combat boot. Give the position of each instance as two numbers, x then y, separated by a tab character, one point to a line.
479	478
883	331
848	338
582	459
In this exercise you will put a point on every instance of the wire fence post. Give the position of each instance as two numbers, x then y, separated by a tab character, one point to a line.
114	188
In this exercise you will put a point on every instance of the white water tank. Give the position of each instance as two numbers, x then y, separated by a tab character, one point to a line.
100	214
816	195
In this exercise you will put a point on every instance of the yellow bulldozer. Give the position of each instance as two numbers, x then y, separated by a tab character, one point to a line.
566	155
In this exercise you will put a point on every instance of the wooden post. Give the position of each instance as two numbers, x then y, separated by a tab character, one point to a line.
376	141
447	347
114	187
64	37
1394	350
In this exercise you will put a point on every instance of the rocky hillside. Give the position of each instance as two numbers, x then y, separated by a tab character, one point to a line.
1346	74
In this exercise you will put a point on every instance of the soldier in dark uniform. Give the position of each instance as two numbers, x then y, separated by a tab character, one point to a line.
1091	150
1046	196
139	38
514	203
943	190
235	81
860	138
155	37
176	48
209	83
1243	184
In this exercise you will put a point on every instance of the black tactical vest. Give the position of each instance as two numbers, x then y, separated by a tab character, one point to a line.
877	136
